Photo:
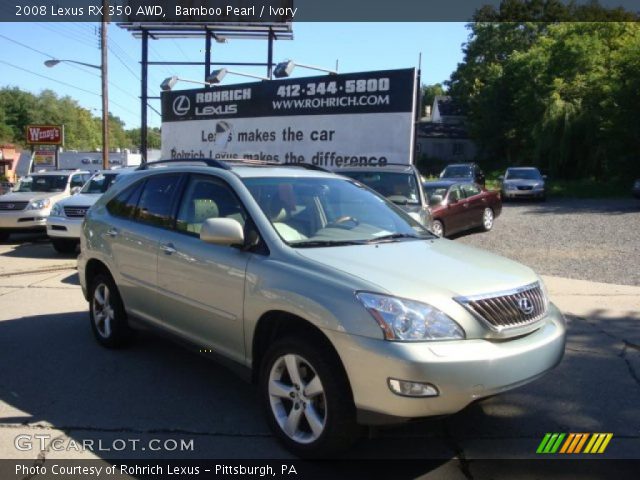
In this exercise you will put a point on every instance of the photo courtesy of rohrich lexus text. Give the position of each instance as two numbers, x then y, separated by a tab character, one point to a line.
310	240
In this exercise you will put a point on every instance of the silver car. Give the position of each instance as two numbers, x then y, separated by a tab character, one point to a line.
523	182
343	309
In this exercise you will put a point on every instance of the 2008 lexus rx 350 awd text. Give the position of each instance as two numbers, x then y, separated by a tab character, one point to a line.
344	309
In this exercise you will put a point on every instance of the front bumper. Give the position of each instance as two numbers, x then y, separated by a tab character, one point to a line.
462	370
23	220
63	227
523	193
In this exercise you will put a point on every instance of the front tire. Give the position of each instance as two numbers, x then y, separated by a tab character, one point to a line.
107	314
64	245
307	399
487	219
437	227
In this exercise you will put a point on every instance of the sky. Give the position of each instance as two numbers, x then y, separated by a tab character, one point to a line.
356	46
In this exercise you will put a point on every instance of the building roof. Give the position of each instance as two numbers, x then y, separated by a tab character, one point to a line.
447	106
441	130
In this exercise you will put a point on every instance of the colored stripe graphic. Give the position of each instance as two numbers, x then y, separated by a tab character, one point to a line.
596	443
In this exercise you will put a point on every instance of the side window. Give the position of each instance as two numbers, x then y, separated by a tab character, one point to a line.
125	203
470	190
454	194
207	197
77	180
157	199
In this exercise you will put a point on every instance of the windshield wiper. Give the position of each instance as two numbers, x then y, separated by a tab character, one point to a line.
328	243
396	236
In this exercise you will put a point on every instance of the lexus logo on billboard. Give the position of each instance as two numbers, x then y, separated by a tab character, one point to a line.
181	105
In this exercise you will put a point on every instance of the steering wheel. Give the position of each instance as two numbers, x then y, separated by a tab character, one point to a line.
339	222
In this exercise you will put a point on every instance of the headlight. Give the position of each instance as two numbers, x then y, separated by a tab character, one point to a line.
407	320
57	211
39	204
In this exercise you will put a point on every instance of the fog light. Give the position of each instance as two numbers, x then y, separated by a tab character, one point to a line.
412	389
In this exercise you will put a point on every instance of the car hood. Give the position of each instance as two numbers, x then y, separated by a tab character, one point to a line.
80	200
524	183
29	196
425	269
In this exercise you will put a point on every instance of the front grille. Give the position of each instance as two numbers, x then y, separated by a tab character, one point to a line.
511	309
11	206
525	188
75	212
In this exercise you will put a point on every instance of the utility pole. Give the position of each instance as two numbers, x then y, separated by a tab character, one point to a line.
105	85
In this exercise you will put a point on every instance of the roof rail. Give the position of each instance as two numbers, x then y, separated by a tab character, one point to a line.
209	162
224	164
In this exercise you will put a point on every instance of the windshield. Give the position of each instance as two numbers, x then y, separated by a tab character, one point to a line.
43	183
99	183
460	171
317	212
400	188
522	174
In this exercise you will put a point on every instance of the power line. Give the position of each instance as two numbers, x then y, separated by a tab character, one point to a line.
65	84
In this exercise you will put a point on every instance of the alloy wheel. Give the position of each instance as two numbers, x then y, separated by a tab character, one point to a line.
487	219
103	313
297	398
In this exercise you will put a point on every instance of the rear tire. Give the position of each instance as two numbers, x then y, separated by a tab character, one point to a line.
107	314
487	219
64	245
307	399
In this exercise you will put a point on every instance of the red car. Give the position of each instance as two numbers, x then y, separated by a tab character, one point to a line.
457	206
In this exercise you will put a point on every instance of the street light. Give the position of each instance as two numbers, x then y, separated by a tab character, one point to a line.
284	69
217	75
105	103
170	82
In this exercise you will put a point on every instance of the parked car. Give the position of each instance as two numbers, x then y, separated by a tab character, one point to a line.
459	172
458	206
343	309
26	209
636	188
523	182
5	187
400	183
63	224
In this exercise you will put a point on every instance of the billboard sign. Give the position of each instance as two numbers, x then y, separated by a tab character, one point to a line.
331	121
44	156
45	134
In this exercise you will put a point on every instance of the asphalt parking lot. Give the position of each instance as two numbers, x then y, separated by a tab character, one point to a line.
55	380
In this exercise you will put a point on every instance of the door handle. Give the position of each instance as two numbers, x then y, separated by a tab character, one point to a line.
168	248
112	232
465	205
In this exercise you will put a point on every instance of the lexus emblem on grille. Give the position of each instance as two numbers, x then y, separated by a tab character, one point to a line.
525	305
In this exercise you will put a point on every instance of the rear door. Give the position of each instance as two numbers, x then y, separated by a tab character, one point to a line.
141	215
476	203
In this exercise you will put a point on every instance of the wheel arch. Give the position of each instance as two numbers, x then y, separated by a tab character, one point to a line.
277	324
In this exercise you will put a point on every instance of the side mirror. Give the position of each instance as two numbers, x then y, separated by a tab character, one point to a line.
544	177
75	190
222	231
501	178
435	199
453	200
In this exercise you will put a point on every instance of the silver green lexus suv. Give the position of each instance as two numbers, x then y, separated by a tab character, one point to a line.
343	309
